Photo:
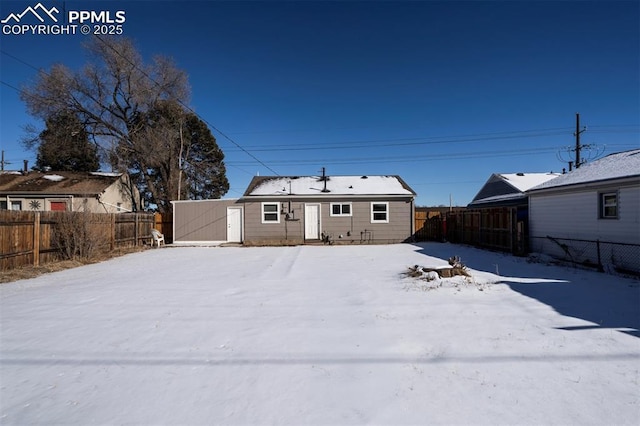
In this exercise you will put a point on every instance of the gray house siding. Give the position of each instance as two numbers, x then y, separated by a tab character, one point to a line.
201	221
353	229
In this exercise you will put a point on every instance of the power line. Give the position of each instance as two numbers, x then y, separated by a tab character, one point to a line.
144	73
415	141
190	109
414	158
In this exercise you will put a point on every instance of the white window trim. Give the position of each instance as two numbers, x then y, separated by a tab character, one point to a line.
277	212
602	205
386	203
331	213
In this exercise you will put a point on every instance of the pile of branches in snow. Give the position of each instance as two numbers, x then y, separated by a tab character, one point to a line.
456	268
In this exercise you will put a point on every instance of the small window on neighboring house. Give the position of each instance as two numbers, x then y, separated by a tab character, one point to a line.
119	205
609	205
58	206
380	212
270	212
16	205
3	205
340	209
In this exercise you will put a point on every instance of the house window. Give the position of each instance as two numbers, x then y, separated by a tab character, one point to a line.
270	212
609	205
58	206
380	212
340	209
3	205
16	205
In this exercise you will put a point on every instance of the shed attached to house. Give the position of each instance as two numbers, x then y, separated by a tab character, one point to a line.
591	214
207	221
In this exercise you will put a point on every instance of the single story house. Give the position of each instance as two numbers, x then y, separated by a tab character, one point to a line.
96	192
591	214
303	209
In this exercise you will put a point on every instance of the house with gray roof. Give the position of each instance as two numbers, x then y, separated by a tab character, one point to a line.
591	214
508	189
303	209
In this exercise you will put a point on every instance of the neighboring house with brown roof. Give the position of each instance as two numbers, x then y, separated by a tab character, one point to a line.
95	192
300	209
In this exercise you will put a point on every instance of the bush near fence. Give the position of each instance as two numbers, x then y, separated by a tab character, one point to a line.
605	256
34	238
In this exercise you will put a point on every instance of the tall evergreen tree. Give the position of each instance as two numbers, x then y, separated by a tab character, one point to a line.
174	156
64	145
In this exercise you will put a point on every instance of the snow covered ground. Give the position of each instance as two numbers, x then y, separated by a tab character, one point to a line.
319	335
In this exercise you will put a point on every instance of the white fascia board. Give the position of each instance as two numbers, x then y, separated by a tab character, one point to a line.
326	196
200	201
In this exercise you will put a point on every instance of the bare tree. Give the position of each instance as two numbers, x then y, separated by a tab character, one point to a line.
180	156
112	95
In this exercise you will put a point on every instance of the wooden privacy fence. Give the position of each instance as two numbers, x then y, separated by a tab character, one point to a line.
429	226
34	238
164	224
494	228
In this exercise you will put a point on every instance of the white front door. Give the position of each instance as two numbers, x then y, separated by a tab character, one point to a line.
234	224
312	221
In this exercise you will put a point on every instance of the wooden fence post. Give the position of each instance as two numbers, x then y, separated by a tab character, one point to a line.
136	230
112	244
36	239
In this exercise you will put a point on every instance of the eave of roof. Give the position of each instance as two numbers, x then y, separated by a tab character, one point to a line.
334	186
56	183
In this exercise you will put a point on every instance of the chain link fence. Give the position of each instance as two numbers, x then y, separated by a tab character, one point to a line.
606	256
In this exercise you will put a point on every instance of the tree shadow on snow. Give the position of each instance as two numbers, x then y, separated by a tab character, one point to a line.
605	301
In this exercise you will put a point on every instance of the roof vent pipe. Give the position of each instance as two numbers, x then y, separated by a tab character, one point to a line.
324	179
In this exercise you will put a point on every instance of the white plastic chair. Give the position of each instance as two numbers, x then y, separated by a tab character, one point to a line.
158	237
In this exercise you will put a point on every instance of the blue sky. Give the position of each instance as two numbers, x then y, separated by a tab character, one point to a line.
441	93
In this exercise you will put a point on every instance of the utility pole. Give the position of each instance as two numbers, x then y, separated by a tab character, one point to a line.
577	135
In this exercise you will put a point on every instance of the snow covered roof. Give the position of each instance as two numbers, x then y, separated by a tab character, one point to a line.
509	187
614	166
335	185
525	181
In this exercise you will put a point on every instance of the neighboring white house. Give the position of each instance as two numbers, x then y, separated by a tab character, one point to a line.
599	203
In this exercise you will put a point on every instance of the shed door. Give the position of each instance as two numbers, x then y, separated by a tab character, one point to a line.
234	224
312	222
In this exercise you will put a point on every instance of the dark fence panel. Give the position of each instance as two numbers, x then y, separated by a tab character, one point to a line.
429	226
494	228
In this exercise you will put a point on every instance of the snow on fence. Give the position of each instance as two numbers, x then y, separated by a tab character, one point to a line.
34	238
